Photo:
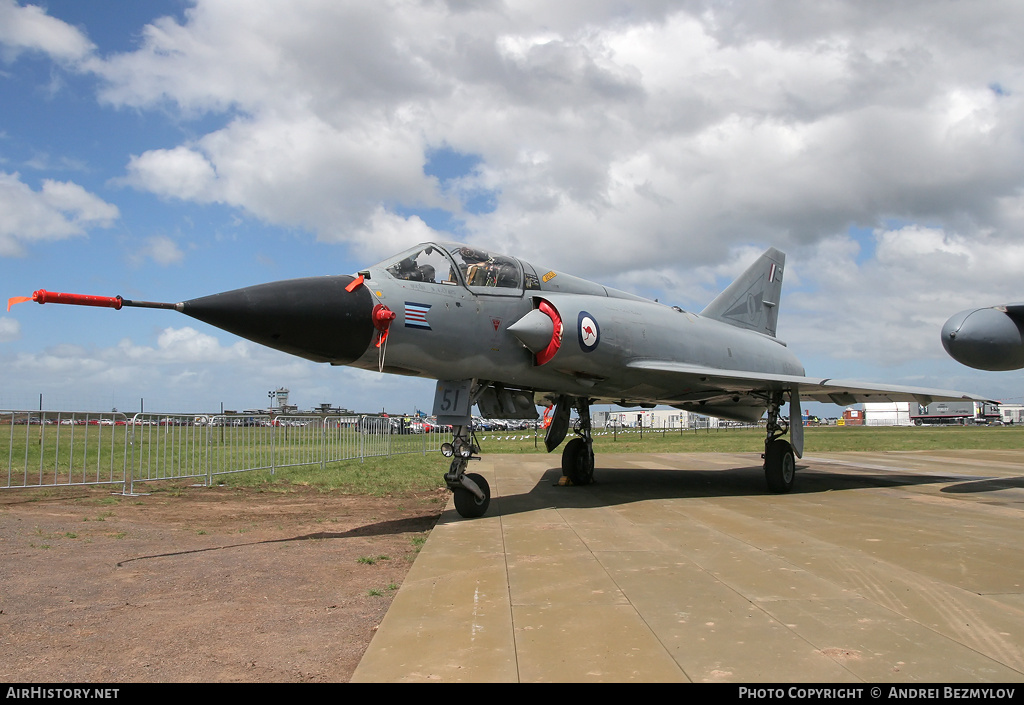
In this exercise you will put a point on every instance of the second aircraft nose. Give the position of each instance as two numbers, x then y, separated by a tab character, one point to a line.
985	339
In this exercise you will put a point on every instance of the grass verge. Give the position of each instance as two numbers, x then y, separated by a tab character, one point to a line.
416	472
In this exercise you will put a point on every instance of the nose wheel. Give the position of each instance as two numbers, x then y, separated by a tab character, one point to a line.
470	491
473	496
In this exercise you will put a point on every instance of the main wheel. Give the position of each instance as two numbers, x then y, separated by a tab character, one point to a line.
467	504
779	466
578	462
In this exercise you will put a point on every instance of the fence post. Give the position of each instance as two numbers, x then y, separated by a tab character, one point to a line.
323	444
273	445
130	470
207	456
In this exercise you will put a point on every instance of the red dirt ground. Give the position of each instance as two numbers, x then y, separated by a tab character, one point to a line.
199	584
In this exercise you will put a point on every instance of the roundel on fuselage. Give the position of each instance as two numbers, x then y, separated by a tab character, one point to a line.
589	331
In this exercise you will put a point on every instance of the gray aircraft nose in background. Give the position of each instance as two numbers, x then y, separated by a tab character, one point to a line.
986	338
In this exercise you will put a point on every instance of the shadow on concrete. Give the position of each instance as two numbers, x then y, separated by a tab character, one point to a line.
618	485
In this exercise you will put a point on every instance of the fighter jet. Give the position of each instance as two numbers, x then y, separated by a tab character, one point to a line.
987	338
504	335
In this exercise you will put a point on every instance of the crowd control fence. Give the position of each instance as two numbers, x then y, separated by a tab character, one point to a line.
59	448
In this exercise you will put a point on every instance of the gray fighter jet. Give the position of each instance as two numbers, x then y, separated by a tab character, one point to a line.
987	338
502	334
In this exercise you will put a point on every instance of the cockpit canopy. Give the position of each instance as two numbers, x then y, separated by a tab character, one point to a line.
487	273
454	264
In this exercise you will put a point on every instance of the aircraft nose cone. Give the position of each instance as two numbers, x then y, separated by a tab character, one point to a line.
314	318
985	339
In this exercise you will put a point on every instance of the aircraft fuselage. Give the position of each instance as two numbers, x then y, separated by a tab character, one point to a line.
468	337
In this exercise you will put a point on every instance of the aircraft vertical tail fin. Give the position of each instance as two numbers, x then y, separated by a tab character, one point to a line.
752	301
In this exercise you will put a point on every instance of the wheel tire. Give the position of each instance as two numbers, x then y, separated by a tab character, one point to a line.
780	467
467	504
578	462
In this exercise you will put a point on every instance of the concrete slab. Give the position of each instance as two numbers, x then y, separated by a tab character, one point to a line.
879	567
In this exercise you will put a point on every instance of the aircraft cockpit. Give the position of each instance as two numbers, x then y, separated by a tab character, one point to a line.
452	264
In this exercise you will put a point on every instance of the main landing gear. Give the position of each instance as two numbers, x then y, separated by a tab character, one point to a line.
578	455
779	459
471	492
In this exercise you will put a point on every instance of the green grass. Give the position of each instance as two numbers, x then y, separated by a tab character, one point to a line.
416	471
836	439
822	439
377	477
54	455
816	439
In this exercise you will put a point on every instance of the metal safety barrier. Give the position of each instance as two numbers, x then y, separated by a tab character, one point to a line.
48	449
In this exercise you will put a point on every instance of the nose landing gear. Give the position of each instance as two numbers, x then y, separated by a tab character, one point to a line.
471	492
578	456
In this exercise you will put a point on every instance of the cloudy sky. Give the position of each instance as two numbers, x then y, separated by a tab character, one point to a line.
172	149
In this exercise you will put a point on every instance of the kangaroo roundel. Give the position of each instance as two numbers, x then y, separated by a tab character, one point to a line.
589	332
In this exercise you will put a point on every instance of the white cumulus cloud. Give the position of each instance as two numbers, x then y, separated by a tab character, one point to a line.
58	210
29	28
684	130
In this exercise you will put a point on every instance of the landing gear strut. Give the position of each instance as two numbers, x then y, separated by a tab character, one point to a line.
779	459
471	492
578	456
